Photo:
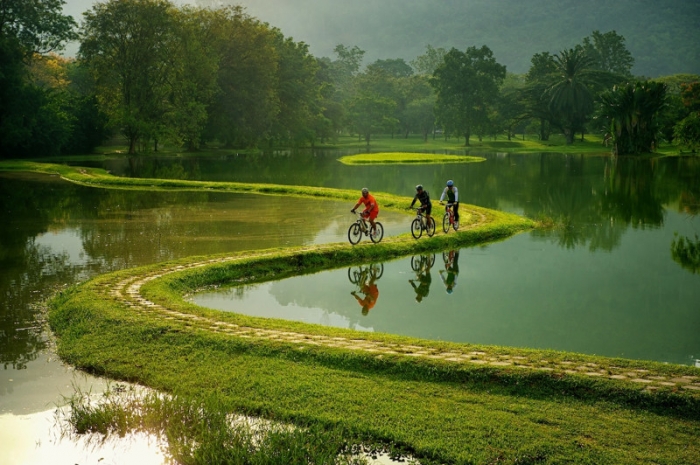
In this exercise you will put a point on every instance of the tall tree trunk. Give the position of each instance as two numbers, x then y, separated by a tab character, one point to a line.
467	135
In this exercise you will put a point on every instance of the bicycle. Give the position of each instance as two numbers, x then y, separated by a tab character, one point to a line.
358	274
449	218
360	227
421	223
422	262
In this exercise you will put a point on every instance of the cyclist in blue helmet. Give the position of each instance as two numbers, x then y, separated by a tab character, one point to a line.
452	198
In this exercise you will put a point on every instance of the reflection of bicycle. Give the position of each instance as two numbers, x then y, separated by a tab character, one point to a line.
449	218
360	227
422	223
359	274
422	262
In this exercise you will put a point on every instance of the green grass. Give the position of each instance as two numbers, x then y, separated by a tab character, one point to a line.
438	411
405	158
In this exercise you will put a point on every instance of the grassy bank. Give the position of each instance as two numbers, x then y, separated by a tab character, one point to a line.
429	398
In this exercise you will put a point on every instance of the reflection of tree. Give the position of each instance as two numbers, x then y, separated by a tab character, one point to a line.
686	253
592	201
28	272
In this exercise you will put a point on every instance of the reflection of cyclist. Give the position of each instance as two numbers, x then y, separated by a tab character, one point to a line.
452	197
371	294
449	274
371	207
423	278
424	198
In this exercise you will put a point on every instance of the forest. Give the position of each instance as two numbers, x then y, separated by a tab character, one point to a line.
153	73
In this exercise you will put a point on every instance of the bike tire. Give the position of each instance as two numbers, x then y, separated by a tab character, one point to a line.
416	228
431	260
415	263
430	227
354	234
378	233
446	223
376	270
353	275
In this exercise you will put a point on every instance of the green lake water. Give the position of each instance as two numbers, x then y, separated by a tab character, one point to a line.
610	280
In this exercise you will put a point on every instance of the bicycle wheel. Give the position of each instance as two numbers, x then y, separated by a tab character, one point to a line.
431	260
446	257
446	222
354	233
377	234
416	228
415	263
354	274
376	270
430	227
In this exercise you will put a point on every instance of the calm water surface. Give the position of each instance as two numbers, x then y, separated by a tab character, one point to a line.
612	279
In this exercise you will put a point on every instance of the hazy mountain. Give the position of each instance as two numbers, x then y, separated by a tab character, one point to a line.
662	35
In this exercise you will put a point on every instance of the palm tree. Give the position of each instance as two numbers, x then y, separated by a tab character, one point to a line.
571	92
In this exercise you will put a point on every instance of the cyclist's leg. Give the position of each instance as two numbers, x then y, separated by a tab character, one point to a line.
455	209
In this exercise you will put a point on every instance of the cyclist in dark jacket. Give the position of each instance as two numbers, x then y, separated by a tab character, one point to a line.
424	198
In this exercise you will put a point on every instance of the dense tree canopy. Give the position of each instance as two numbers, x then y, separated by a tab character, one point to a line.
154	72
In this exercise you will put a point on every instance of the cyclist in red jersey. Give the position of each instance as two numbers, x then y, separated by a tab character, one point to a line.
371	207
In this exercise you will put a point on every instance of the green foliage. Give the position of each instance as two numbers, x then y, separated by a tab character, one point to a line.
631	113
466	84
686	253
609	53
687	132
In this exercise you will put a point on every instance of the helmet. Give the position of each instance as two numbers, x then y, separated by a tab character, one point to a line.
448	290
450	183
419	187
365	190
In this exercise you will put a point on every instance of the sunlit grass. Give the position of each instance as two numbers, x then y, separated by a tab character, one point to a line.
388	158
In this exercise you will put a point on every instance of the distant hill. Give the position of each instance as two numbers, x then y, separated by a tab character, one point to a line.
662	35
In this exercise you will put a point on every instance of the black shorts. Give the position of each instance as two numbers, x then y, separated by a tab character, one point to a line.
428	208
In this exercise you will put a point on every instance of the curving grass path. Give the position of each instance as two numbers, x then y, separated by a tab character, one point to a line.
443	402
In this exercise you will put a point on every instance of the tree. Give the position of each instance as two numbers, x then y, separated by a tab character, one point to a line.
535	97
396	67
466	84
688	129
246	104
428	62
27	113
571	93
371	113
35	26
608	52
128	46
297	91
631	112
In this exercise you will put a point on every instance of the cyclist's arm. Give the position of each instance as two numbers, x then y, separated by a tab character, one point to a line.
456	196
442	197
